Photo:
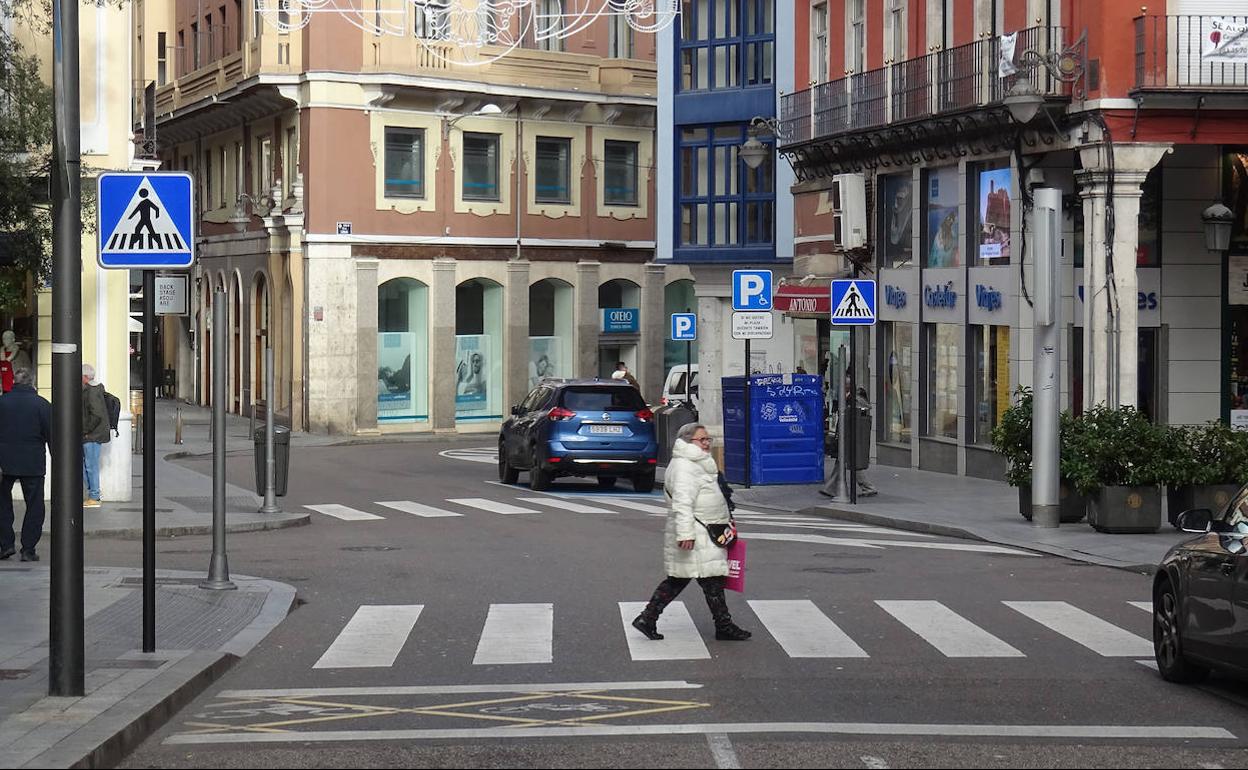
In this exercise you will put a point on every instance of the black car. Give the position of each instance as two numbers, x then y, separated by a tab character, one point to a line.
597	428
1200	596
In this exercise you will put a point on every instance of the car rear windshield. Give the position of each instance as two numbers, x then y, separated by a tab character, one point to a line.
603	399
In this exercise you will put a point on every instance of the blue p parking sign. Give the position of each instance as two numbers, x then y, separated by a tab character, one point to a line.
146	221
684	327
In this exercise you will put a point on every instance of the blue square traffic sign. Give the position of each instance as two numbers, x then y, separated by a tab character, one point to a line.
684	327
853	303
751	290
146	221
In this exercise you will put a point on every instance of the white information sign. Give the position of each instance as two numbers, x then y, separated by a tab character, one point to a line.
752	325
171	295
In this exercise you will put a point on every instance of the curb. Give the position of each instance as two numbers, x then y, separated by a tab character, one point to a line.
394	438
136	533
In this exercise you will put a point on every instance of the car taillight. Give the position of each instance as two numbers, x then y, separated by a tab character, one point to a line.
559	414
645	415
663	401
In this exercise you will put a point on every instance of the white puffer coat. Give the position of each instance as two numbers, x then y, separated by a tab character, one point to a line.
692	489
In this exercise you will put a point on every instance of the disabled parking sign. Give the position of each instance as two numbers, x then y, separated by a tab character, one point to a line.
146	221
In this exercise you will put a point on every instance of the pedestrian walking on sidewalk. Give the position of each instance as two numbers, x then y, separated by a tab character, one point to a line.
95	433
27	420
694	501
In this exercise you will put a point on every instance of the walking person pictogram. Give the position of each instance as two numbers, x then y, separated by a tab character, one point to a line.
144	211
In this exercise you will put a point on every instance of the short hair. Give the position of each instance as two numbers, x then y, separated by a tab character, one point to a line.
22	376
617	366
686	431
88	371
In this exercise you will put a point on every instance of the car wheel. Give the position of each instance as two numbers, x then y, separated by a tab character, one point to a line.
606	482
539	479
644	481
506	473
1168	641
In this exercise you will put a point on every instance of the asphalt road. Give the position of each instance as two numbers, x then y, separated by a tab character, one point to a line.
872	648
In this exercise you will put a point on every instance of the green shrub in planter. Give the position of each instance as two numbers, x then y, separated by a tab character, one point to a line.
1120	459
1011	438
1212	465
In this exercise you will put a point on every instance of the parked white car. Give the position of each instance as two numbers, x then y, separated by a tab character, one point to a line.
677	380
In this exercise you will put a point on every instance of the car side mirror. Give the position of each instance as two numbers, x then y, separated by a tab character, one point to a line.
517	410
1197	520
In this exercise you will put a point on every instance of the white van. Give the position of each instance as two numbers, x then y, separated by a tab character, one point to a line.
674	387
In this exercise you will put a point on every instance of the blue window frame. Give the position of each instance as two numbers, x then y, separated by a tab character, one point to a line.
726	44
724	204
554	170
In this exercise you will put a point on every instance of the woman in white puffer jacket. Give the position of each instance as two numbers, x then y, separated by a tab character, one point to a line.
695	499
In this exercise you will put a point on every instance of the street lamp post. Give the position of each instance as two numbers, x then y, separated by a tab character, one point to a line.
1218	220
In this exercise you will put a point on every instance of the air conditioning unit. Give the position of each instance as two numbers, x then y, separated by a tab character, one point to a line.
849	210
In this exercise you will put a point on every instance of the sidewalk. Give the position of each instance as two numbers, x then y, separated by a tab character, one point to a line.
129	694
960	506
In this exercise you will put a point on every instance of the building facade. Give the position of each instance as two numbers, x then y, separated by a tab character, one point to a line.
420	231
954	111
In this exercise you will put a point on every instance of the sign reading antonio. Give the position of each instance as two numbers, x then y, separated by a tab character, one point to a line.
146	221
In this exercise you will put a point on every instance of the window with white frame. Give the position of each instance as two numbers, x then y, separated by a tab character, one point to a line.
897	30
426	25
552	182
619	177
290	164
856	50
621	38
405	162
819	43
549	23
162	59
224	153
480	181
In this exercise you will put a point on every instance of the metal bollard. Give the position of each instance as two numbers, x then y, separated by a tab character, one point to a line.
219	567
177	426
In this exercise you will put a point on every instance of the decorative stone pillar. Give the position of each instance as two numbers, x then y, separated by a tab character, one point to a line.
588	319
442	362
516	335
366	345
654	331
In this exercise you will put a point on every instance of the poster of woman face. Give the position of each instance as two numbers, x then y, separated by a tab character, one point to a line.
898	219
394	375
472	372
994	216
543	359
942	219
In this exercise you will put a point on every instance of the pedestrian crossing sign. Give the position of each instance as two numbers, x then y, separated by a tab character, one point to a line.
145	221
853	302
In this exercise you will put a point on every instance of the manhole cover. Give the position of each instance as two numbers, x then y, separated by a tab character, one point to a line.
839	570
369	548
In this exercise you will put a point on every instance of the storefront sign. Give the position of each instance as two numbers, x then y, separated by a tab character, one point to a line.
895	297
1147	301
621	320
940	296
1226	40
900	296
987	298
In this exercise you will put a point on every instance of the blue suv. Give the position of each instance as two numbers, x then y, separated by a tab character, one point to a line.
579	428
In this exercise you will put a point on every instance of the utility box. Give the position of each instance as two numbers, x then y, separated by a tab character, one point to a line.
668	420
786	426
281	460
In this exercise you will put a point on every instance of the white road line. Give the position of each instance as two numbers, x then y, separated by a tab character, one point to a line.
372	638
491	506
1148	664
460	689
947	631
722	752
863	542
1080	732
566	505
1097	635
743	513
417	509
631	505
833	527
1146	606
875	763
803	631
344	513
681	640
1209	766
517	633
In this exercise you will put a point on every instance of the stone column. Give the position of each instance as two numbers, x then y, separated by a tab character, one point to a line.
587	318
298	355
366	346
1110	341
714	296
516	334
654	331
442	346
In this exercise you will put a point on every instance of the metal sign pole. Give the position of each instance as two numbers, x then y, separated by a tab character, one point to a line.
219	567
747	413
851	413
270	466
149	461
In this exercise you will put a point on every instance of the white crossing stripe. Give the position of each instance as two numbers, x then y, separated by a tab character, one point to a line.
681	640
343	512
1146	606
416	509
490	505
566	505
838	528
372	638
632	505
1097	635
803	631
947	631
517	633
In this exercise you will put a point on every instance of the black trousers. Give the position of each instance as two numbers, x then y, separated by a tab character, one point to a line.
32	524
712	588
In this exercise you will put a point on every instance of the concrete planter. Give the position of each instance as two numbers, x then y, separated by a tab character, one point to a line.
1126	510
1073	504
1212	496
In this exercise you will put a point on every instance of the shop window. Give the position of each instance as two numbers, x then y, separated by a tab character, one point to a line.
478	350
993	207
402	350
550	329
481	167
897	220
898	367
619	173
1148	250
941	240
942	354
554	170
990	383
405	162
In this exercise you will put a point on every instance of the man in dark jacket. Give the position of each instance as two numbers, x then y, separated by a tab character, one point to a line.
27	420
95	433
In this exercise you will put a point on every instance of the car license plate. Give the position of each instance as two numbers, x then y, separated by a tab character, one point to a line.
617	430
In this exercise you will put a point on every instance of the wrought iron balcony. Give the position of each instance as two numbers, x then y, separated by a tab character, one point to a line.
1183	53
945	82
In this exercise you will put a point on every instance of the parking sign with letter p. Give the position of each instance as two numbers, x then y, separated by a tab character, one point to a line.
684	327
751	290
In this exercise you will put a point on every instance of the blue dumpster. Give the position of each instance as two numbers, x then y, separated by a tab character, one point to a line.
786	429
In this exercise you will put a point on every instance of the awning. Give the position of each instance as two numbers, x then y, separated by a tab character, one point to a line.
807	300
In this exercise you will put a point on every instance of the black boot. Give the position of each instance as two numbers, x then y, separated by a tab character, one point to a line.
646	624
725	629
667	591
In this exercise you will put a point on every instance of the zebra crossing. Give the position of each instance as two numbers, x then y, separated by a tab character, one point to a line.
524	634
458	506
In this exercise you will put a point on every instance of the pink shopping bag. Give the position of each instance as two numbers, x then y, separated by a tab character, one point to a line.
736	566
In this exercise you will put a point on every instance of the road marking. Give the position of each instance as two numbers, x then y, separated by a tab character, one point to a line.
1209	766
417	509
1148	664
681	640
517	633
742	513
1097	635
947	631
488	455
875	763
1146	606
372	638
344	513
861	542
567	505
803	631
722	752
1080	732
632	505
459	689
835	527
492	506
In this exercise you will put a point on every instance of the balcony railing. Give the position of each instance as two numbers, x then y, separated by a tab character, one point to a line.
1177	52
948	81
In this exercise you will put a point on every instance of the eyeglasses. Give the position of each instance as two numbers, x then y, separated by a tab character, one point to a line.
703	440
